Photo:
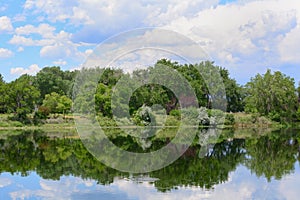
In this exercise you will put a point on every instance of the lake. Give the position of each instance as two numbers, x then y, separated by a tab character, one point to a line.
254	164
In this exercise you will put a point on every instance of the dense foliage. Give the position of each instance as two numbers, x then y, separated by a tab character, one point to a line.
272	95
50	91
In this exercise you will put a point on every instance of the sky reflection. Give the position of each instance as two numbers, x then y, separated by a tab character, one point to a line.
242	184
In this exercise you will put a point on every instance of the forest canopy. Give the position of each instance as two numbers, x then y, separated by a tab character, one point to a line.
272	94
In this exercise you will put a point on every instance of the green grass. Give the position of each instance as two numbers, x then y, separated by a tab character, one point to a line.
244	120
65	126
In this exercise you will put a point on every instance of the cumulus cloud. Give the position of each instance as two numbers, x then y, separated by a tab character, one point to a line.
60	62
20	49
5	53
27	41
54	45
230	33
143	47
5	24
23	35
55	51
251	34
31	70
116	15
240	31
64	189
5	182
56	10
43	29
289	187
289	50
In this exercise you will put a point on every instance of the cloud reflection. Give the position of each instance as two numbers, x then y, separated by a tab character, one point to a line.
242	184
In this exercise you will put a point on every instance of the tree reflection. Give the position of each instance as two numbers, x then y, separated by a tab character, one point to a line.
274	155
271	156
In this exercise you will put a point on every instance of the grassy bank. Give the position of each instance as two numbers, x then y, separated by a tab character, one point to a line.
66	123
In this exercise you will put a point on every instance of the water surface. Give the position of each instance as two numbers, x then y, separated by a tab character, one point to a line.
36	166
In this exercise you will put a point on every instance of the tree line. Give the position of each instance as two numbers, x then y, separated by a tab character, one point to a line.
272	94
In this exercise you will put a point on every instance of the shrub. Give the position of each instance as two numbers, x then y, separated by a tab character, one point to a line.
175	113
144	116
216	116
16	124
229	119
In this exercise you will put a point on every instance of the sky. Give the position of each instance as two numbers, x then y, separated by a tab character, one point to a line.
244	36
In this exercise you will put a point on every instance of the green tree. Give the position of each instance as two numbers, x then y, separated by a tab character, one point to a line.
64	105
22	97
53	79
57	103
234	93
51	101
3	92
103	100
272	95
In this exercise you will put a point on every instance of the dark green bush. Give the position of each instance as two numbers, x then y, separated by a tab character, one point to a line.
229	119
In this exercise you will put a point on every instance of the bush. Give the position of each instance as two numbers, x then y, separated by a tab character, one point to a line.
254	118
203	116
16	124
43	112
216	116
4	124
274	116
144	116
175	113
21	116
298	114
229	119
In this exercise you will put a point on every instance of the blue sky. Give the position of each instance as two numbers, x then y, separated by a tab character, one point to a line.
244	36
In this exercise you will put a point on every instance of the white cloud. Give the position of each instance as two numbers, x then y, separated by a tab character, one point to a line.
60	62
45	30
88	52
5	24
289	46
55	52
143	47
55	10
116	15
32	69
248	34
5	182
5	53
289	187
229	33
20	49
26	41
239	30
19	18
64	189
54	45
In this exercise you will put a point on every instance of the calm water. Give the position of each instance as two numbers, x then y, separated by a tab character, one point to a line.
35	166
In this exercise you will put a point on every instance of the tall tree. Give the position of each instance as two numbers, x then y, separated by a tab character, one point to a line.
22	96
234	93
272	95
53	79
3	92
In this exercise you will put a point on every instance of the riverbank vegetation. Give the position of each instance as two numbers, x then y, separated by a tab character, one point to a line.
46	98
